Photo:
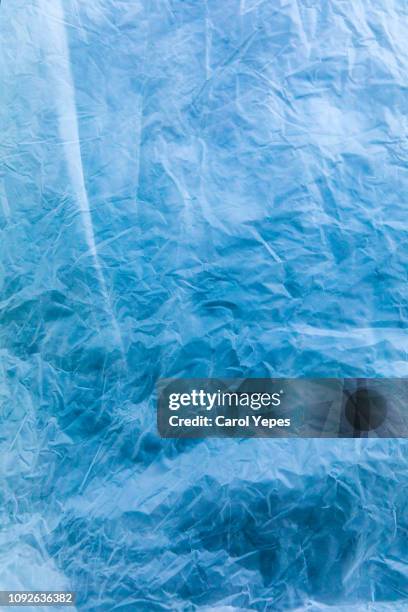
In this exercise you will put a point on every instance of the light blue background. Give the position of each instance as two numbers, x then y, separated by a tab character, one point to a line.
194	188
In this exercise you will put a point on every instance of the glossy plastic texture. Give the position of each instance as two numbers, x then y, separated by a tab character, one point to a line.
189	189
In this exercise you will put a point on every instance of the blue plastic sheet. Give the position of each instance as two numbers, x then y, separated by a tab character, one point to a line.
199	188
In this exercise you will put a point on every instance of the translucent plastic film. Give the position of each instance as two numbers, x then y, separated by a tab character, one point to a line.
200	188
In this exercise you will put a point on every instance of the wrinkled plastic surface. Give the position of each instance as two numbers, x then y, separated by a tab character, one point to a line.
195	188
